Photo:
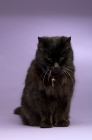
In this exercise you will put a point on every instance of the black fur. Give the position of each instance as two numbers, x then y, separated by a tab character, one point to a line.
41	104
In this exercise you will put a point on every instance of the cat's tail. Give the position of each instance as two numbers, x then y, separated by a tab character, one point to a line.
17	111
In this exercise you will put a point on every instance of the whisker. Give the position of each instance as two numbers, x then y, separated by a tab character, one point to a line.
64	72
69	75
45	75
68	70
44	72
49	75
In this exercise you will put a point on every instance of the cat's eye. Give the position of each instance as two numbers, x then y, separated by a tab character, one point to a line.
61	58
49	59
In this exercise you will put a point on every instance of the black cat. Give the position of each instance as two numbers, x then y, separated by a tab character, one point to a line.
49	84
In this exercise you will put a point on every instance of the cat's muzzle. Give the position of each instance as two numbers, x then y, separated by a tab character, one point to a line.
55	72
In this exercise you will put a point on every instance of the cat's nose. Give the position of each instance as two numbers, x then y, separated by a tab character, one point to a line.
56	65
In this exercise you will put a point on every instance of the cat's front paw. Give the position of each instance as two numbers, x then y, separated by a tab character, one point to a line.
45	125
63	123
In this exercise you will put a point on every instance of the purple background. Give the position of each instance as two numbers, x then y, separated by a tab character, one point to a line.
21	22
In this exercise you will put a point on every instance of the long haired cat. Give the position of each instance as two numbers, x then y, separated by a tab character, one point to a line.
49	84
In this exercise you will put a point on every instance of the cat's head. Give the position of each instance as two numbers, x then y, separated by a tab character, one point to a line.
54	53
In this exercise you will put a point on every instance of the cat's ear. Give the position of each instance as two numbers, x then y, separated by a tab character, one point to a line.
40	43
40	39
67	41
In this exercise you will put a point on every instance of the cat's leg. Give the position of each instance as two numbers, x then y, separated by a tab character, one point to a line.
46	119
45	113
36	110
61	117
24	120
30	118
43	108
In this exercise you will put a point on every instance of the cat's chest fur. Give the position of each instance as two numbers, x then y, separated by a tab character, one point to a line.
59	89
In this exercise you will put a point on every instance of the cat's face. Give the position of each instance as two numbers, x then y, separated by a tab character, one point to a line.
54	53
